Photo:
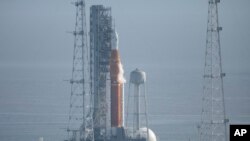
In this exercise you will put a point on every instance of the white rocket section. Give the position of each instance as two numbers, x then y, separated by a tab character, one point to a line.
115	40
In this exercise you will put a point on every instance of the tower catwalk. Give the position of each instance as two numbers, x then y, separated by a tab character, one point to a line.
80	126
100	51
213	119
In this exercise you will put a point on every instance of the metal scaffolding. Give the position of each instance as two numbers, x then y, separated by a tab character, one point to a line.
80	126
213	119
100	50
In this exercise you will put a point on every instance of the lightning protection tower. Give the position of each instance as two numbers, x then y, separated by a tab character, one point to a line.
213	119
80	126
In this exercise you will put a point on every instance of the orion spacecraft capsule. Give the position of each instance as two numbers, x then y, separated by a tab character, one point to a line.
117	82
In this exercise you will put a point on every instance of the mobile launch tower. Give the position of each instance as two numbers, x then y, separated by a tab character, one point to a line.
213	119
97	83
100	51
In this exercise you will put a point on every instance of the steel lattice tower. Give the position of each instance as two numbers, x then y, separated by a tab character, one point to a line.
213	119
100	51
80	116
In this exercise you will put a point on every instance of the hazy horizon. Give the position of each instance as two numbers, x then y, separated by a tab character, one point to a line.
165	38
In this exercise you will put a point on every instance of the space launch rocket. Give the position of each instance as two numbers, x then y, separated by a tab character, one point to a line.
117	84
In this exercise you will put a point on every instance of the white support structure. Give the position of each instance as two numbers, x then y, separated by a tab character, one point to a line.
137	107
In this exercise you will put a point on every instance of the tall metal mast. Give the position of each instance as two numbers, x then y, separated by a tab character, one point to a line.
213	119
80	117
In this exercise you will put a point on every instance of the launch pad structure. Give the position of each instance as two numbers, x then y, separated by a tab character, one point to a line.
100	51
97	83
81	99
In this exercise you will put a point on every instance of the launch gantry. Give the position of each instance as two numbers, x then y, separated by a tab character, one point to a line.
100	51
97	83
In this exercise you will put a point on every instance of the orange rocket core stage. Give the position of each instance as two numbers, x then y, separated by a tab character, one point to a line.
116	75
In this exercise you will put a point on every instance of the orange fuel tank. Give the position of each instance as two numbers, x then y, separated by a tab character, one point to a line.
117	81
116	89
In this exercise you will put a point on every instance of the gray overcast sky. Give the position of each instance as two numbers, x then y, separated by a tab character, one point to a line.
166	38
33	32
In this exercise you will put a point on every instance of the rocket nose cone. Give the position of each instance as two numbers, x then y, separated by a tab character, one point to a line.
114	40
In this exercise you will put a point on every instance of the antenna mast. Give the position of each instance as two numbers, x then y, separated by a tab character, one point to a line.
80	124
213	119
